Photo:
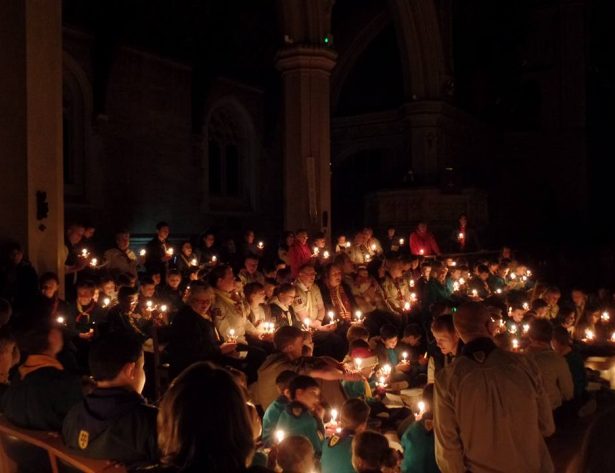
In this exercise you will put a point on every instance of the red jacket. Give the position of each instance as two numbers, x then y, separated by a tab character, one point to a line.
423	241
298	255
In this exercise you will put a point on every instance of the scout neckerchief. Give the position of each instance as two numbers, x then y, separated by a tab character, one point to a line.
340	301
83	316
285	311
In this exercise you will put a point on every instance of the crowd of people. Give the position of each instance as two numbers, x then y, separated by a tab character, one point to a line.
372	355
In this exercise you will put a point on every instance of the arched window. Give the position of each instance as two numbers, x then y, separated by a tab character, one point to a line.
228	162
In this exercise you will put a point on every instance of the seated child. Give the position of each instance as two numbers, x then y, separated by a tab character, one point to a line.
337	450
272	414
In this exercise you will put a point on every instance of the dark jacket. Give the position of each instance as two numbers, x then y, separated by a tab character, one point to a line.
41	400
326	296
113	424
192	338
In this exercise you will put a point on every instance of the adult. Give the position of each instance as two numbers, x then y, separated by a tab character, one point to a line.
423	242
299	253
121	259
491	409
463	238
159	252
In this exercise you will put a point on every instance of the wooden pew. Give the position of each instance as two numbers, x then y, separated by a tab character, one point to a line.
48	447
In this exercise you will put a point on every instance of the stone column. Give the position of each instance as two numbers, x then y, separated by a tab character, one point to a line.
31	130
306	136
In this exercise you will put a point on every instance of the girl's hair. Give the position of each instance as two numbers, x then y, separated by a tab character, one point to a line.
204	422
283	289
371	451
252	288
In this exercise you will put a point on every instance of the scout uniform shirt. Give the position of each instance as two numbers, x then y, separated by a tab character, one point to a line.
298	420
396	294
230	311
337	453
271	417
308	302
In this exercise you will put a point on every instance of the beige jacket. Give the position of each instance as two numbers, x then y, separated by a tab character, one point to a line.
556	375
491	414
308	302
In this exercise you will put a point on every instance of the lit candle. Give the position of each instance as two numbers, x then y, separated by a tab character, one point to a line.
163	308
106	301
231	333
142	252
474	293
194	262
401	241
515	344
404	357
513	276
498	291
455	286
589	334
421	406
373	247
453	263
358	362
214	259
462	281
149	305
386	369
358	314
347	244
526	306
413	296
605	317
93	262
526	328
331	316
316	251
421	252
460	236
406	306
513	329
325	255
524	278
60	319
411	282
382	380
279	435
368	258
333	416
613	337
260	245
85	253
170	252
307	323
529	273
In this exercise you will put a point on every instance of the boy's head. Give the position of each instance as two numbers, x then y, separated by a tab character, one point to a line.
43	339
174	278
283	381
305	390
540	307
116	360
147	287
446	336
289	340
357	332
295	453
412	334
428	401
354	415
388	334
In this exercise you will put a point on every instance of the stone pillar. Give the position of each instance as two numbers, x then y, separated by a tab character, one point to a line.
31	130
306	136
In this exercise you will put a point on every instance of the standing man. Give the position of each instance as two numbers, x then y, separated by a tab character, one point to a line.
423	242
491	410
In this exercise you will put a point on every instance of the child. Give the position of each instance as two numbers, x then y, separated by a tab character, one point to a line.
385	345
300	416
295	454
418	440
272	414
114	422
371	453
562	344
337	451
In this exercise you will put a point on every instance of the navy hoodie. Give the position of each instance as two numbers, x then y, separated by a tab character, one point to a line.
114	424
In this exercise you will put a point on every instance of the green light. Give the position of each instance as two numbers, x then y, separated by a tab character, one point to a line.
326	40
